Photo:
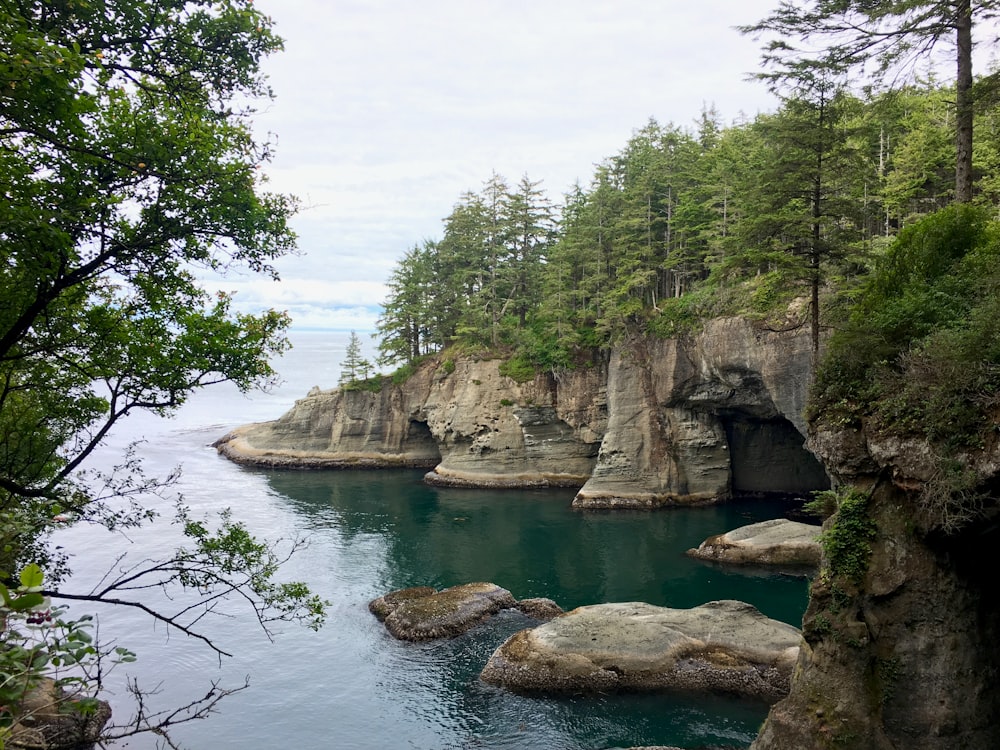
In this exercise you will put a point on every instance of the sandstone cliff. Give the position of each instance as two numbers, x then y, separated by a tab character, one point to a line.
658	422
901	655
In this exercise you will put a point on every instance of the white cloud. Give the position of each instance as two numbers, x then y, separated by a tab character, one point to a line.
387	111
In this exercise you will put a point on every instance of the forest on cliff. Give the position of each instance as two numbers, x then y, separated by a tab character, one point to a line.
687	222
862	208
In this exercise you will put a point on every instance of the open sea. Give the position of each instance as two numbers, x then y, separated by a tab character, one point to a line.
351	685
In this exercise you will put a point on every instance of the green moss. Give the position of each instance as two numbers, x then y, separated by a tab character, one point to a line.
371	385
847	540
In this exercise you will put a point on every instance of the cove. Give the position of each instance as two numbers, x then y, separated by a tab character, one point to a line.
373	532
351	685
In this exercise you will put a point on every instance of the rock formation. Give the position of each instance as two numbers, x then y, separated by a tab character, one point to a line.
899	644
724	646
661	422
50	721
422	614
778	542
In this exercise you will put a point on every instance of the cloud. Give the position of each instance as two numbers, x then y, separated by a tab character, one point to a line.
387	111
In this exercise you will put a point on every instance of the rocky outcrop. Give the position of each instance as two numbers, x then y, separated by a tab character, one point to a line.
778	542
539	608
724	646
422	614
694	420
472	425
900	633
662	421
51	719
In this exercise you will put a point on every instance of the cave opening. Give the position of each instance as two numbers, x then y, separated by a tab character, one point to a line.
419	439
769	457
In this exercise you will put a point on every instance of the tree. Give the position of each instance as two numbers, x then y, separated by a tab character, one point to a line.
893	34
128	168
404	325
799	208
354	366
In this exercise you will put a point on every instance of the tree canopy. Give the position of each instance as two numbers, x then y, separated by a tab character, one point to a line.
128	170
840	35
687	222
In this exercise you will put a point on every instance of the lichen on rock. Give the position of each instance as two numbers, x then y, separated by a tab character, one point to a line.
421	613
724	646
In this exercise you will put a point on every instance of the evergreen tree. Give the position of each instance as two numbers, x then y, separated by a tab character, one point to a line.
799	208
407	325
354	367
894	35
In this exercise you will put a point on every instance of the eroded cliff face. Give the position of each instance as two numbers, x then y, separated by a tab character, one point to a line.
695	420
659	422
904	656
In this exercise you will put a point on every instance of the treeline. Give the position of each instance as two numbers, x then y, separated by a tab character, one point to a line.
686	222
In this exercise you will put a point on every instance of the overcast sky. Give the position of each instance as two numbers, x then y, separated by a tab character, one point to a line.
386	111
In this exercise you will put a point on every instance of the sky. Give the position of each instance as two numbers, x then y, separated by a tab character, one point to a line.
386	111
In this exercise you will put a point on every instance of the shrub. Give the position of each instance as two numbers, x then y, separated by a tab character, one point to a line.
920	354
518	368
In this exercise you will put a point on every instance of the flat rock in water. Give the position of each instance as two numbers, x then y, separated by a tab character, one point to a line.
723	646
775	542
421	614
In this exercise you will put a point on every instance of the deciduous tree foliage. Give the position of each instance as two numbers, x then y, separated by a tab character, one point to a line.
128	168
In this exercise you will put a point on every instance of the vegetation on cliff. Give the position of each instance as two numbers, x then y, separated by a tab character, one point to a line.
687	223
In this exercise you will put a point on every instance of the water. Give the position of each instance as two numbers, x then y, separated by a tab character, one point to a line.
351	685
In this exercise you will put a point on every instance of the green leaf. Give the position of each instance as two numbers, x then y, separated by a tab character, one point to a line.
27	601
32	576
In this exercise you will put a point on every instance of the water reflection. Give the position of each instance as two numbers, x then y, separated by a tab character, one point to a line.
534	544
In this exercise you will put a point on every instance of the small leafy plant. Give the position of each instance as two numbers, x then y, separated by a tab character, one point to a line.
847	541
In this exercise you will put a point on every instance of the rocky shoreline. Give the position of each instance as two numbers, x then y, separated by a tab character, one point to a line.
658	423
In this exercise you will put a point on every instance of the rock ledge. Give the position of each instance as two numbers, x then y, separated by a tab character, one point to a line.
722	646
775	542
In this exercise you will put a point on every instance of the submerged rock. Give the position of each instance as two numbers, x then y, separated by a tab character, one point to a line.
421	614
723	646
775	542
540	609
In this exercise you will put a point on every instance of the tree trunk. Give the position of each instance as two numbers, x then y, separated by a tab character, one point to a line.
963	102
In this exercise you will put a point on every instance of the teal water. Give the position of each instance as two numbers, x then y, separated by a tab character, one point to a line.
351	685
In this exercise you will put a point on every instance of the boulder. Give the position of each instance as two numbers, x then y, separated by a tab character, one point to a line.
48	720
539	608
421	614
723	646
775	542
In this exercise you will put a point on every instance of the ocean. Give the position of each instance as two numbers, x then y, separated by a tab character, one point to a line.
350	684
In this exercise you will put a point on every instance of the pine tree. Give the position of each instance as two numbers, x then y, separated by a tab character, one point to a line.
354	367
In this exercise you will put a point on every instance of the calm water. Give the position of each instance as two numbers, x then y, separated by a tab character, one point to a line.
351	685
